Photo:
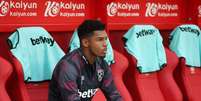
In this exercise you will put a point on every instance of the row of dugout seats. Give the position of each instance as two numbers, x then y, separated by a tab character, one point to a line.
175	82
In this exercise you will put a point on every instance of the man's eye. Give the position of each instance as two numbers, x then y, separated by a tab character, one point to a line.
100	39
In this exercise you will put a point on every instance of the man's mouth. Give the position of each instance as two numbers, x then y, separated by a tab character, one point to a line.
105	51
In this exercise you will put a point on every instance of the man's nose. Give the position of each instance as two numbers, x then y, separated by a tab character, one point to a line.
105	44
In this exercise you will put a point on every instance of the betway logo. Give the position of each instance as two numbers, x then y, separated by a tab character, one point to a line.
87	94
145	33
113	7
42	40
189	29
153	8
53	8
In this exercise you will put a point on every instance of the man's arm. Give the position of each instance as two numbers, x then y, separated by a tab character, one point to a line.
108	87
66	75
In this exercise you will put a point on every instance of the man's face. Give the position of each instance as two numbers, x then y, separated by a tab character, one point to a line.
97	43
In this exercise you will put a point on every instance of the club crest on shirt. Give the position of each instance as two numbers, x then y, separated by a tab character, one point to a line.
100	74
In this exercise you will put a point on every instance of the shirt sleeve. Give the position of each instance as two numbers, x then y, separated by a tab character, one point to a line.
66	80
161	50
108	87
74	41
13	40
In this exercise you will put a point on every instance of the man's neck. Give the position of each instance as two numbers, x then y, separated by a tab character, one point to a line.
90	57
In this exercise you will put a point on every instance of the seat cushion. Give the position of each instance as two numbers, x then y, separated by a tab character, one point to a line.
38	91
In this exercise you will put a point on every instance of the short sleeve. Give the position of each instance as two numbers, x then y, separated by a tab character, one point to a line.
13	40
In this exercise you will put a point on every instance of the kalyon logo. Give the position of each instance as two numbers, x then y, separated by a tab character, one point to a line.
53	8
199	11
153	8
4	8
113	7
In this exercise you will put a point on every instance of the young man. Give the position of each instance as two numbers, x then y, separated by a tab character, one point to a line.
80	73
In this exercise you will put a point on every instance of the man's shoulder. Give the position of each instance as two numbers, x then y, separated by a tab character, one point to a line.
103	63
71	56
69	60
68	64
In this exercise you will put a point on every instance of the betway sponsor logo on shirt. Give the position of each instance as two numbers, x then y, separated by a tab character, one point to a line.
123	9
199	11
17	8
42	40
161	10
54	8
189	29
87	94
145	32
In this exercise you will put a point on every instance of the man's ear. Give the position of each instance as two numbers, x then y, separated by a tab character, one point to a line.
85	42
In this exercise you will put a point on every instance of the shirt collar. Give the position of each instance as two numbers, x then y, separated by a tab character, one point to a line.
84	58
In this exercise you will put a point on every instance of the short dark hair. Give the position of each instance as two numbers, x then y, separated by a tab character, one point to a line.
87	27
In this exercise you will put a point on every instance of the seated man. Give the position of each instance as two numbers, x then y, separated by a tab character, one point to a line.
79	74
